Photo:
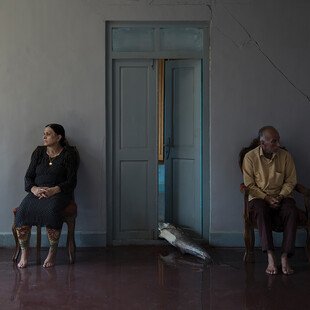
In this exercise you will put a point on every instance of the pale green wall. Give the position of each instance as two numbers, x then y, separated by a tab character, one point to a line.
52	69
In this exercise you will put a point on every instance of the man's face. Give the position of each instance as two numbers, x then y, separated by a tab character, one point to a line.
271	142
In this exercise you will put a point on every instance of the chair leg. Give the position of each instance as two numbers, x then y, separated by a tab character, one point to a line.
38	248
70	238
308	244
249	241
17	246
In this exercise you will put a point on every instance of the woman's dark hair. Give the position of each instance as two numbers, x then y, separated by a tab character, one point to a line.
59	130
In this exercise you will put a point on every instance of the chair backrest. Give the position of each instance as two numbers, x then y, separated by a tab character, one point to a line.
76	154
76	158
255	143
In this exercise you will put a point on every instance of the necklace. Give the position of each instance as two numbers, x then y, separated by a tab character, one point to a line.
50	159
50	163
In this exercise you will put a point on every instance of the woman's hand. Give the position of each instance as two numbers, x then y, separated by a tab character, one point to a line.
45	192
38	191
51	191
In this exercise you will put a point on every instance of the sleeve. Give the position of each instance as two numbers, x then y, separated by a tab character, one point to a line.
31	171
290	180
71	164
249	179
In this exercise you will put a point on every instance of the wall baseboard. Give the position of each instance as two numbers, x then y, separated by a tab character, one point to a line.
99	239
235	239
82	239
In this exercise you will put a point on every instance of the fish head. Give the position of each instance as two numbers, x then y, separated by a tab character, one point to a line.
163	225
166	234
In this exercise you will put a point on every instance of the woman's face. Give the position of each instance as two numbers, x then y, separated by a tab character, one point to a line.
50	138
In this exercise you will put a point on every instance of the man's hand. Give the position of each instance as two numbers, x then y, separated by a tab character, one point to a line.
274	202
280	197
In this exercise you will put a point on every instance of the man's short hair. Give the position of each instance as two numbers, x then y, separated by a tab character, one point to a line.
261	132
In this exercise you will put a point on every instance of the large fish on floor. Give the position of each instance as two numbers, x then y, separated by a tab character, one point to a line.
177	237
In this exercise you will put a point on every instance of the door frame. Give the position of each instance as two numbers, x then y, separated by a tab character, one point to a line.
157	54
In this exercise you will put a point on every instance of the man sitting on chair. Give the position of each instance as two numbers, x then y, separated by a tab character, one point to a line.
270	175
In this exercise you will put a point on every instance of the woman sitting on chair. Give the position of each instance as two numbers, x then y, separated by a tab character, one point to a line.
50	180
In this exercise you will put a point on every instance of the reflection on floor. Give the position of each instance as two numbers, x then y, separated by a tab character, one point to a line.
152	277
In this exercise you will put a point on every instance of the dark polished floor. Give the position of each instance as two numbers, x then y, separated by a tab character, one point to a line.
152	277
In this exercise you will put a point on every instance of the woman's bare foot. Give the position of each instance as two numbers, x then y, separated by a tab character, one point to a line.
23	262
50	259
286	268
271	268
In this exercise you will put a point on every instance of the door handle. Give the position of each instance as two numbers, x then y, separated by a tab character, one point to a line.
168	147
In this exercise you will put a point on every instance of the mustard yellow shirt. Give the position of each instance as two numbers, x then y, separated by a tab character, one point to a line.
263	176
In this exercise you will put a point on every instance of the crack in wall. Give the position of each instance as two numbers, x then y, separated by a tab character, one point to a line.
213	25
254	42
99	6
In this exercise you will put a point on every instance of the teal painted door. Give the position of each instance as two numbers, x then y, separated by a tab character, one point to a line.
134	150
183	143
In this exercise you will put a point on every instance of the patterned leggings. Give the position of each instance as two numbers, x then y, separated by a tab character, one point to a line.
24	233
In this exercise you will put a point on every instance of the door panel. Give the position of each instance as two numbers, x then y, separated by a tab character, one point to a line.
183	198
133	219
134	108
183	143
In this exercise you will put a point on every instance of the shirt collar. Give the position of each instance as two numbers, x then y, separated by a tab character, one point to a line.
261	153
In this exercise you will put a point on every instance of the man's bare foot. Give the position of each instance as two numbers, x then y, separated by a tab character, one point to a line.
286	268
50	259
271	268
23	259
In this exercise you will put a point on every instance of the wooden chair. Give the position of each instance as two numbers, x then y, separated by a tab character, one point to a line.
69	216
249	226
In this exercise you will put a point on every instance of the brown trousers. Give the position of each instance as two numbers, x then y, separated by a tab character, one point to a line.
284	217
